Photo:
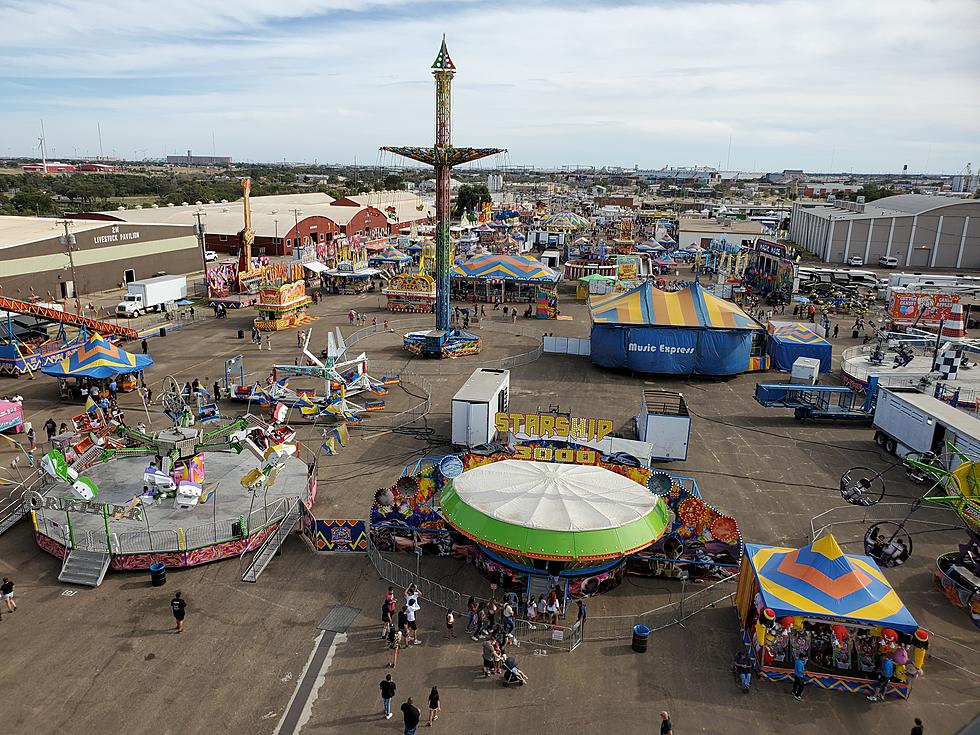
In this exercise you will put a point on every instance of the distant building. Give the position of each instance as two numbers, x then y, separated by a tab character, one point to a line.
495	183
702	230
51	167
192	160
102	168
624	201
34	259
918	229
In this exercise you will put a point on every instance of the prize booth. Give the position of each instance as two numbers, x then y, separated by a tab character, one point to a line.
836	608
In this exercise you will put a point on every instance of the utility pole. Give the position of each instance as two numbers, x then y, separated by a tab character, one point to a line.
200	230
297	242
68	240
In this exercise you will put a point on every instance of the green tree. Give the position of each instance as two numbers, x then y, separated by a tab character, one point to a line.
393	181
469	197
870	192
34	202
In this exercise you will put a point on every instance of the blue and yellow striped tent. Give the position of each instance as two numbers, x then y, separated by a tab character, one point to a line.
98	358
820	580
506	268
690	308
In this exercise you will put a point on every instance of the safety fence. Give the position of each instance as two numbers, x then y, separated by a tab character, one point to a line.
383	420
846	515
12	503
686	605
165	540
555	637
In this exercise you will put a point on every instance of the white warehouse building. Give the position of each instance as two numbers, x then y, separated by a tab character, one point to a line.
919	230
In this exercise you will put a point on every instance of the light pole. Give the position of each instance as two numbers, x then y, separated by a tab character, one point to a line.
199	230
68	240
296	214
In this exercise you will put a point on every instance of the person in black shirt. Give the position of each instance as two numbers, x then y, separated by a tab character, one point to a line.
7	595
665	727
412	716
434	706
917	728
387	693
178	607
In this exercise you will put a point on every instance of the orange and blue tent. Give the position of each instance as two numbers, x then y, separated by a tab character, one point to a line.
98	358
820	580
691	307
506	268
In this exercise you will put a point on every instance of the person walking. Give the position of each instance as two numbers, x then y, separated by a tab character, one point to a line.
32	438
144	346
450	620
435	707
7	595
179	608
387	694
387	612
836	330
507	617
917	727
583	613
471	608
50	428
394	644
799	676
743	667
412	716
268	342
666	726
413	629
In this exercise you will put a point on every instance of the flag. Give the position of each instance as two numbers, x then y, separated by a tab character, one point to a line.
90	405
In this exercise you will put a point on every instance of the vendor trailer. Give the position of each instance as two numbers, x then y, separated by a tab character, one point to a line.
907	421
484	394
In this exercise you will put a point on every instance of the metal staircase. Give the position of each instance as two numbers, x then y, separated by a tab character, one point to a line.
273	542
84	567
13	513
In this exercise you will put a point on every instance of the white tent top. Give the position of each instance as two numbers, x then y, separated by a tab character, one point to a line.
554	497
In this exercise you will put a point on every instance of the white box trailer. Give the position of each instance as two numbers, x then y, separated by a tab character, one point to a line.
906	421
485	393
151	293
665	424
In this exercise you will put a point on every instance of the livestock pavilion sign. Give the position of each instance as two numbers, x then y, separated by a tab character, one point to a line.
553	426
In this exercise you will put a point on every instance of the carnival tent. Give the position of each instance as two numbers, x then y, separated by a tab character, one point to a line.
790	340
553	511
390	255
98	358
505	267
820	580
688	332
564	221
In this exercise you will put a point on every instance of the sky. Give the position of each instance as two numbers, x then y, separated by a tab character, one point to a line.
759	85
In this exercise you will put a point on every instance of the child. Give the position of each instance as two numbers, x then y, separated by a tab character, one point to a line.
450	619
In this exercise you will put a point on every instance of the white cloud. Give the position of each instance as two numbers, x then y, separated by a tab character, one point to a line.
789	83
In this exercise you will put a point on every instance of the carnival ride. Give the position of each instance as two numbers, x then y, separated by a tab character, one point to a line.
445	340
27	348
953	481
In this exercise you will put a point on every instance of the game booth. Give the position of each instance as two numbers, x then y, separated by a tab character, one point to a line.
502	278
538	514
836	608
348	278
97	360
789	341
282	306
411	293
687	332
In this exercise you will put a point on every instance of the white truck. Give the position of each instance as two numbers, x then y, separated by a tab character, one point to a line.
150	294
476	404
907	421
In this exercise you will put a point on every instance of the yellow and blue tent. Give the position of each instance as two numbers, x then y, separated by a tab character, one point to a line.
98	358
790	340
820	580
692	307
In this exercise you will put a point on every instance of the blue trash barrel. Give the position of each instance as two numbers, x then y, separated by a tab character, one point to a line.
641	634
158	574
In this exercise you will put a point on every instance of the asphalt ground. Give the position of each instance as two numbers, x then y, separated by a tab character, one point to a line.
108	659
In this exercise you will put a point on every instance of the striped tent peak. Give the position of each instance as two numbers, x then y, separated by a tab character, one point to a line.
794	332
509	267
691	307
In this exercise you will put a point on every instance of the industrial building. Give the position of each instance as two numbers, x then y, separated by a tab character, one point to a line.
192	160
702	230
35	261
919	230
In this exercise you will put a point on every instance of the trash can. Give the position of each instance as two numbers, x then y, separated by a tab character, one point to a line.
241	334
163	331
641	635
158	578
854	334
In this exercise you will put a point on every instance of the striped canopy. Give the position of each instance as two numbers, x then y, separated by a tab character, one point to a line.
391	254
822	580
505	267
795	333
564	221
98	358
692	307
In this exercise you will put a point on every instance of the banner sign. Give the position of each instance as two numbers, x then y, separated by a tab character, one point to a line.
553	426
907	307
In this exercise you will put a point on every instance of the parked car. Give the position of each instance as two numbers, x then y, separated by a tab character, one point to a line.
210	255
855	260
887	261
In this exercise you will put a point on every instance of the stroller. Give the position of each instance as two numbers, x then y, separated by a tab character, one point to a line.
512	674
